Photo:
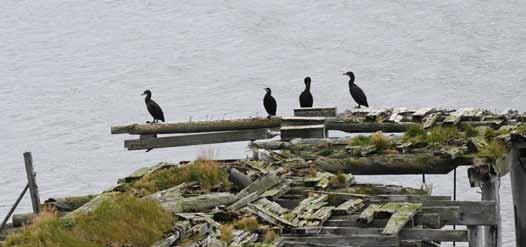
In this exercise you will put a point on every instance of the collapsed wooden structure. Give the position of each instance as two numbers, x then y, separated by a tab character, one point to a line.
310	126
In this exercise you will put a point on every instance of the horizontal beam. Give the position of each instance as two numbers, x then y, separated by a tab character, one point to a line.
391	164
198	126
197	139
368	127
472	212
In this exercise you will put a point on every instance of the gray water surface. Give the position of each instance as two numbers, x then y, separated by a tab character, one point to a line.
71	69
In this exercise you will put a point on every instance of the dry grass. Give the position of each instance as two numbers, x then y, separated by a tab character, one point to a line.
227	233
270	236
380	141
249	224
338	181
123	221
207	173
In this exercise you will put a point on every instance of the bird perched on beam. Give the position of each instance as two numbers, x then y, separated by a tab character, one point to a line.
356	92
153	108
305	96
269	103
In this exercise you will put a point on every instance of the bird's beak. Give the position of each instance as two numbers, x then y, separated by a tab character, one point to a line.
344	74
143	94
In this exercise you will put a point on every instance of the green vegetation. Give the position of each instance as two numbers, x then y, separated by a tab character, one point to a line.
360	140
121	221
494	150
414	134
443	135
338	181
207	173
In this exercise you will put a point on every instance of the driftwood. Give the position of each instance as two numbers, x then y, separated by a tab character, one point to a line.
349	207
368	214
197	126
243	201
198	203
421	163
260	185
68	204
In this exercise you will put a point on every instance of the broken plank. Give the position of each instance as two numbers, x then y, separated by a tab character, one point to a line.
243	201
349	207
368	214
403	213
197	139
260	185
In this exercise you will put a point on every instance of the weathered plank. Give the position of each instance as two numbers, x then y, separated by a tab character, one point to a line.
303	131
349	207
427	220
448	215
368	214
260	185
315	112
197	139
32	182
405	234
367	127
359	240
473	212
394	164
295	121
243	201
402	213
197	126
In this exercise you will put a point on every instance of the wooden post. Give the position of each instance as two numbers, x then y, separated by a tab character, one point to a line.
518	188
474	236
31	181
490	192
14	207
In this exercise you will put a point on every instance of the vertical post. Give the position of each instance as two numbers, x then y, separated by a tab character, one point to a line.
518	188
474	236
31	181
490	192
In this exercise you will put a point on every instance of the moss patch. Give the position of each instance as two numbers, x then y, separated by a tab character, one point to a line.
494	150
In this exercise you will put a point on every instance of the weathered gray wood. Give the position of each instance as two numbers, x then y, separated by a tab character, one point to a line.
473	212
475	236
518	187
260	185
340	197
349	207
304	131
490	192
367	127
197	139
32	182
243	201
359	240
427	220
315	112
295	121
240	179
278	190
402	213
20	220
197	126
268	216
394	164
68	204
448	215
12	210
368	214
199	203
405	234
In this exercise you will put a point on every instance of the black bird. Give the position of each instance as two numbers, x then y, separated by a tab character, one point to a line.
356	92
305	96
153	108
270	103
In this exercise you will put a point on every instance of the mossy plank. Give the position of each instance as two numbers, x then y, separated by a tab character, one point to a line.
243	201
402	213
368	214
349	207
261	185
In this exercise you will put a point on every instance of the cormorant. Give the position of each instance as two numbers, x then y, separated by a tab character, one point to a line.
306	96
356	92
270	103
153	108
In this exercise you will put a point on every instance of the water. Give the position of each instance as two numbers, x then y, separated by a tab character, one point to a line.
71	69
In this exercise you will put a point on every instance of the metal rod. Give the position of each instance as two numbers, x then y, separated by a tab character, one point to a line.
12	210
424	178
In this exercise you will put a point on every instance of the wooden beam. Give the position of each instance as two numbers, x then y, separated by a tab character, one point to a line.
197	139
315	112
358	240
197	126
402	212
405	234
305	131
427	220
391	164
368	127
473	212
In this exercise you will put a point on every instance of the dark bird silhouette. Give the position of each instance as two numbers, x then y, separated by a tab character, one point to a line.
356	92
269	103
153	108
305	96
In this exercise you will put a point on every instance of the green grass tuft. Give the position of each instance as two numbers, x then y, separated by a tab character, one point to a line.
360	140
120	221
414	134
494	150
442	135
